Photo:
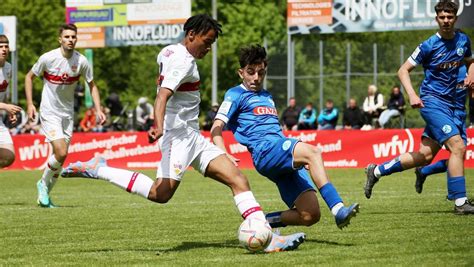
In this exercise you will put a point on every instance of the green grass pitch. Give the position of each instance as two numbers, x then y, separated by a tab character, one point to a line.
98	224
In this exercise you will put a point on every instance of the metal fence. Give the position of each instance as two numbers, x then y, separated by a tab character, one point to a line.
337	71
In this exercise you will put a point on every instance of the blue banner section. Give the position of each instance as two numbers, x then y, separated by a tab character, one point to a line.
377	16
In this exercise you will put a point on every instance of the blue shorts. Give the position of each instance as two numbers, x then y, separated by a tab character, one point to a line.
460	120
440	122
274	160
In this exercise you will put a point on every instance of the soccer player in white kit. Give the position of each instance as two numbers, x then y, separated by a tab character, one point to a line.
61	69
7	151
177	128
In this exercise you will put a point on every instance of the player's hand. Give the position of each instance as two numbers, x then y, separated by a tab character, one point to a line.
31	111
233	159
12	109
101	118
154	134
469	82
415	102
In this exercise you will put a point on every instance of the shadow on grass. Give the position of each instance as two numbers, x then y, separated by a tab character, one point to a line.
186	246
327	242
410	212
15	204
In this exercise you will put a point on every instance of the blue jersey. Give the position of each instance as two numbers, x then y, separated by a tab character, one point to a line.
461	90
441	60
251	116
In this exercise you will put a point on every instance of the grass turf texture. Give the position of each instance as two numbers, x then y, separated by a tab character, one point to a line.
98	224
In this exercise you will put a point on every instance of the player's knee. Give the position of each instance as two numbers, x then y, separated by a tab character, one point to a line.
162	198
310	218
61	155
315	152
6	159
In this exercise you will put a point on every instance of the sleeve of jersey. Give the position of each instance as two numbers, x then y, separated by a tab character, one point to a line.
468	50
39	66
228	107
418	55
87	71
175	73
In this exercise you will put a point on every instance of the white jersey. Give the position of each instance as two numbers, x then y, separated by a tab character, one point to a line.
179	72
5	76
60	77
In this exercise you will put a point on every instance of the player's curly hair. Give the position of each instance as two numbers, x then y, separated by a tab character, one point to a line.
251	55
201	24
446	6
69	26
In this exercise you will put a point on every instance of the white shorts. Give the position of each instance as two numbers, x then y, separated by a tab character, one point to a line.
54	127
181	148
5	137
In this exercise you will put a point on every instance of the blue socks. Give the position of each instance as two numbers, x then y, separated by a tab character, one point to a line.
330	195
274	219
437	167
456	187
390	167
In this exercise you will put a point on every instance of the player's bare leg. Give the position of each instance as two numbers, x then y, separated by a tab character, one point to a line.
428	150
306	211
51	172
311	156
456	178
7	155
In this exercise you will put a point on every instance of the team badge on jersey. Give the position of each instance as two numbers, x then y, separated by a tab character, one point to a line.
74	68
286	145
460	51
447	129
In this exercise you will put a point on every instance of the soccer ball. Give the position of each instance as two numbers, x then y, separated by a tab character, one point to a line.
255	234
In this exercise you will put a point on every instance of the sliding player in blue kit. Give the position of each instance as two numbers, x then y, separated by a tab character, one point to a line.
250	113
441	56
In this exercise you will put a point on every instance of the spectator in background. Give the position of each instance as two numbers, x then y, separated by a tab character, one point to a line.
144	114
113	103
372	106
327	119
395	106
32	126
290	116
307	118
210	115
352	118
89	122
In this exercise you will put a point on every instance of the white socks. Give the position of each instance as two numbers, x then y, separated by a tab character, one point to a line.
377	172
248	206
460	201
51	172
132	182
336	208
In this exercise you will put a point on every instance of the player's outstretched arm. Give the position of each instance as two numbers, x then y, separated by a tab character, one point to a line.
216	133
30	107
96	98
404	76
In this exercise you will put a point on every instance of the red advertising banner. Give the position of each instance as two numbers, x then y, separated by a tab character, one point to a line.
341	149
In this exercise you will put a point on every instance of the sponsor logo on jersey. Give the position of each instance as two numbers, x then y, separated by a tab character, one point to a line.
286	145
460	51
447	129
265	111
448	65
